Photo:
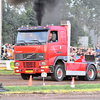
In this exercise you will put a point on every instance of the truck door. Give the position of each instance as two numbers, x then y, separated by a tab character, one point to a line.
53	47
63	41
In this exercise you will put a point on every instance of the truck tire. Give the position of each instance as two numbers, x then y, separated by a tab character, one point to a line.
90	73
25	76
58	74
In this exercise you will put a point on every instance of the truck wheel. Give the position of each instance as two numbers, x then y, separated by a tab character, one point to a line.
25	76
90	74
58	74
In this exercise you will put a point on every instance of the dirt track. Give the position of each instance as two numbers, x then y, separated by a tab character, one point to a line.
69	96
15	80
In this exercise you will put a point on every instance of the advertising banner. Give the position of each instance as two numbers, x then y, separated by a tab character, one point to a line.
10	65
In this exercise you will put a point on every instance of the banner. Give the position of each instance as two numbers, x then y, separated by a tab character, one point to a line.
10	65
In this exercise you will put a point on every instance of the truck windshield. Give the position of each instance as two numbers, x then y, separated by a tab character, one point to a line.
32	38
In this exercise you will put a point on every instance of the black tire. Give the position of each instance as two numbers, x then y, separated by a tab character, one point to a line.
25	76
90	73
58	74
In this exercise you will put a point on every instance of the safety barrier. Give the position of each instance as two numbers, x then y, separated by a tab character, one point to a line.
6	64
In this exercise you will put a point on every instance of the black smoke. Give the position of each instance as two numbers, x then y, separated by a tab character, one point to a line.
41	5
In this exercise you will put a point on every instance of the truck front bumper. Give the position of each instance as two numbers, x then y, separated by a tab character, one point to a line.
31	67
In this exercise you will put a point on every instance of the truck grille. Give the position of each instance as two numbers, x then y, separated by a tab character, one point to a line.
30	56
29	64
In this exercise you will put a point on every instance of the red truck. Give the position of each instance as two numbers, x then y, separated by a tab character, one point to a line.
41	49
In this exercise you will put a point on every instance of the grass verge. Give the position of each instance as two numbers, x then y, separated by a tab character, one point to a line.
8	72
53	89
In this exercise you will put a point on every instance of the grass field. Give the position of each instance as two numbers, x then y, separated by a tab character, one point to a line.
53	88
7	72
49	88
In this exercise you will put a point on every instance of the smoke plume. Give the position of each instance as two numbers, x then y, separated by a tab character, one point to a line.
39	7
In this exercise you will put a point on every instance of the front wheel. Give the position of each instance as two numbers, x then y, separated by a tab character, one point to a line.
58	74
91	73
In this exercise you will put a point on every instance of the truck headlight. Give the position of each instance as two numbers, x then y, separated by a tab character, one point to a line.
17	64
43	63
17	71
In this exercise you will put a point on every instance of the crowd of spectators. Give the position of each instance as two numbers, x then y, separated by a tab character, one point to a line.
75	53
7	52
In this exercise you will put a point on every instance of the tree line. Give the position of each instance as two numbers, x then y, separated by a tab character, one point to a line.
84	16
13	18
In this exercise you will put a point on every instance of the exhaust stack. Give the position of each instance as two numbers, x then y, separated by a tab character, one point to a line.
64	23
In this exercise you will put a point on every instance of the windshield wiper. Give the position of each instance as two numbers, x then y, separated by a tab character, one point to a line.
22	41
37	41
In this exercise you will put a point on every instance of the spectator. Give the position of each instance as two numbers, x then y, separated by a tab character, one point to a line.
77	56
89	52
71	49
77	53
97	48
74	51
93	53
5	46
9	46
10	54
4	56
12	48
85	50
98	57
2	50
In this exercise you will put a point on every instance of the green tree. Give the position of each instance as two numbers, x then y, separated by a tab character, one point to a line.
13	18
9	23
69	12
88	13
76	31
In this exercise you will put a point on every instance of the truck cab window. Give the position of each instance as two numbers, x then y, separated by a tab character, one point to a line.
53	36
32	37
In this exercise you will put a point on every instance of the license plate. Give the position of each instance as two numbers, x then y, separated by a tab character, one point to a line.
29	71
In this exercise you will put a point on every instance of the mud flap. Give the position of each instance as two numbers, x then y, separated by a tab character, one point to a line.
89	58
2	89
